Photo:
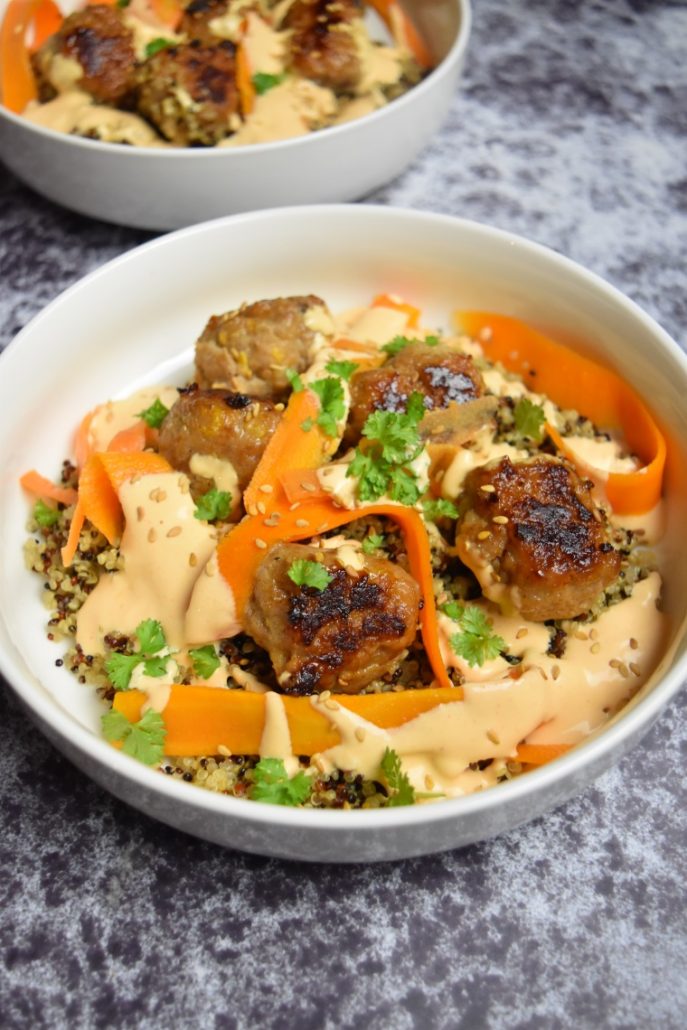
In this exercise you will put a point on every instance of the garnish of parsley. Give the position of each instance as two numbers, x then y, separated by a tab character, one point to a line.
373	542
344	369
155	415
264	82
399	343
151	640
440	507
401	792
383	463
205	660
144	740
45	515
215	504
476	642
272	784
529	419
332	403
305	573
156	45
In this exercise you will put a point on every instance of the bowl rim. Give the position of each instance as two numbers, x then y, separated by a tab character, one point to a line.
129	153
590	752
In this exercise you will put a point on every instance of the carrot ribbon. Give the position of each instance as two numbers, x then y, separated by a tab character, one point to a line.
573	381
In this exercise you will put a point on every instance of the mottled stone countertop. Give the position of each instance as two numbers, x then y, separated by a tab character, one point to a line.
570	127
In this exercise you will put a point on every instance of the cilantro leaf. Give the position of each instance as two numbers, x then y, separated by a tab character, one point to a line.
155	45
271	784
529	419
402	792
215	504
151	637
345	369
432	341
294	379
144	740
372	542
332	405
305	573
45	515
155	415
119	669
383	464
156	666
435	508
205	661
476	642
263	82
123	3
399	343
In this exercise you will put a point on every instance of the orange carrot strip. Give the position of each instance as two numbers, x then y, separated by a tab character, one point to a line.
200	719
17	82
75	527
167	12
244	80
573	381
239	556
101	479
384	300
42	487
301	485
82	444
370	350
131	439
291	446
403	30
540	754
46	22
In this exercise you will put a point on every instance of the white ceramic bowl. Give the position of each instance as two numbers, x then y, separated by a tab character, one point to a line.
153	188
135	320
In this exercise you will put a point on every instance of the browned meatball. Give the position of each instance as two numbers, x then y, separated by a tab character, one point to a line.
195	21
323	46
249	349
98	40
189	92
229	426
441	375
536	527
340	638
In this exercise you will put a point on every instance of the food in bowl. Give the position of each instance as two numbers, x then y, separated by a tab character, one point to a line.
240	565
208	73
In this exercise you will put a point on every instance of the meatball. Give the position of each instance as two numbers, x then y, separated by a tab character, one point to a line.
97	40
189	92
249	349
441	375
217	424
195	21
340	638
323	46
531	531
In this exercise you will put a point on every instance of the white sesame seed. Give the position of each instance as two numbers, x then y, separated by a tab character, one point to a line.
266	488
152	536
302	523
260	543
174	531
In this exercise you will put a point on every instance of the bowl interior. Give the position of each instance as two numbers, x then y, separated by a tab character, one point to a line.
135	321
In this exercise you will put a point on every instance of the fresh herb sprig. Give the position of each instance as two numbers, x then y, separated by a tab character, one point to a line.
273	785
399	343
264	81
384	463
45	515
215	504
439	507
205	660
332	403
305	573
476	642
372	543
144	740
529	419
156	45
155	415
151	640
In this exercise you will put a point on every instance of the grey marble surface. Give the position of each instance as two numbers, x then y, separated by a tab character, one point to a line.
570	127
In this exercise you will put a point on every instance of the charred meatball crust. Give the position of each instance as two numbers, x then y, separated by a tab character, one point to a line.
189	92
100	42
195	21
340	638
323	46
537	526
250	348
440	374
224	425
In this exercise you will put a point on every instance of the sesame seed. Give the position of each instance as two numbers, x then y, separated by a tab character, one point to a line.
271	521
615	663
488	488
251	509
623	670
279	407
360	734
302	523
222	749
555	671
152	536
260	543
261	508
331	705
580	635
595	648
521	633
266	488
174	531
635	669
501	520
541	672
486	333
140	513
310	487
192	560
325	695
593	634
484	535
296	504
429	783
634	644
493	737
209	569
